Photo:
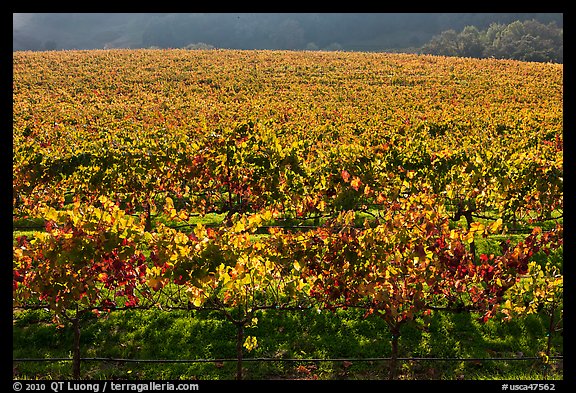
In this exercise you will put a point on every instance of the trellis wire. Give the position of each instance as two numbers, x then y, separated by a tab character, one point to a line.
121	360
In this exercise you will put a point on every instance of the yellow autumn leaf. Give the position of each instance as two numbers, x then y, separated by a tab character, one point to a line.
496	225
469	237
239	227
267	215
180	238
200	231
454	235
183	215
476	227
254	221
51	214
250	343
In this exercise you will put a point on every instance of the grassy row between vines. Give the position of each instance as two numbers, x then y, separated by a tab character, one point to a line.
309	334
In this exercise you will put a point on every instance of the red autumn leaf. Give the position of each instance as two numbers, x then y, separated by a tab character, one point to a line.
345	175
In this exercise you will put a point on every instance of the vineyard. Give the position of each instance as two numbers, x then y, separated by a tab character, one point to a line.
253	185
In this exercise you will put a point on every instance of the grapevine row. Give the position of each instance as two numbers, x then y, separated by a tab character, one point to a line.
98	259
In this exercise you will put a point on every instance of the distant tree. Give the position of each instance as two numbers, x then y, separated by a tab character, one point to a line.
469	42
444	44
526	41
